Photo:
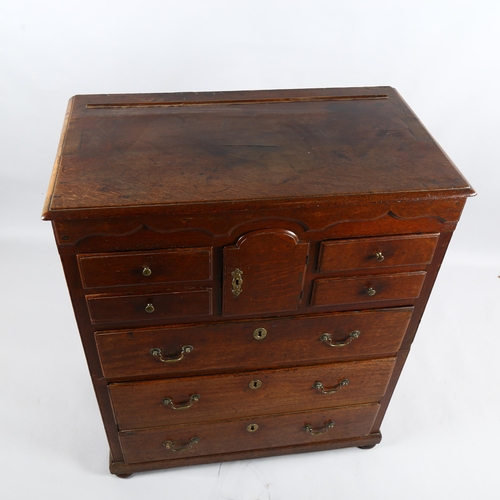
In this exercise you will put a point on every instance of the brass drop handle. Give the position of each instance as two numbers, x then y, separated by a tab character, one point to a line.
319	387
379	256
146	271
237	275
156	352
192	399
150	308
169	445
328	425
371	291
327	339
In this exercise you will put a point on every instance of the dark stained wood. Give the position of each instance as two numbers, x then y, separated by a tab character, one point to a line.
299	190
367	447
145	268
373	439
272	265
360	289
139	404
226	437
335	217
376	253
222	153
223	347
148	306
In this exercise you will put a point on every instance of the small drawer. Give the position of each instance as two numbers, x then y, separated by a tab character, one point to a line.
206	398
145	268
133	308
250	345
367	289
373	253
258	433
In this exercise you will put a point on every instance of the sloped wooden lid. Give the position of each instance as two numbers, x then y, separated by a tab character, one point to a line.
167	150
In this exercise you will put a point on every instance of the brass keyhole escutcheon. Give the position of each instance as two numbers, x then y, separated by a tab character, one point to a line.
255	384
259	333
237	282
252	427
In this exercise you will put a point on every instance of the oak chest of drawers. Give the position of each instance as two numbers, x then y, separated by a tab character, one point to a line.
247	269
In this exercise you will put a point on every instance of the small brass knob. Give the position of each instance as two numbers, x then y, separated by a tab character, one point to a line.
371	292
149	308
379	256
146	271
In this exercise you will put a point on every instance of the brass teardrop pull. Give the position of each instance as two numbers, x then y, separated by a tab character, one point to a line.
169	445
328	425
319	387
327	339
182	406
156	352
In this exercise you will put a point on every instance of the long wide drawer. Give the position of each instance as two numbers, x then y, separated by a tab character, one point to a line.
247	434
247	345
219	397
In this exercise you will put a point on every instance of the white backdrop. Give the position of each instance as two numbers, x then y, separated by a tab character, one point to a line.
441	431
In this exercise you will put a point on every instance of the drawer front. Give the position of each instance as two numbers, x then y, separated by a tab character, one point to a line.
247	345
367	289
374	253
247	434
218	397
134	308
143	268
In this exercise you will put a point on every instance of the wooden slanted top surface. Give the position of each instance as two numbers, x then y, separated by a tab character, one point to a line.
169	150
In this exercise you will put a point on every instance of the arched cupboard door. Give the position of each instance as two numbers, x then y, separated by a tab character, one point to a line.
264	273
